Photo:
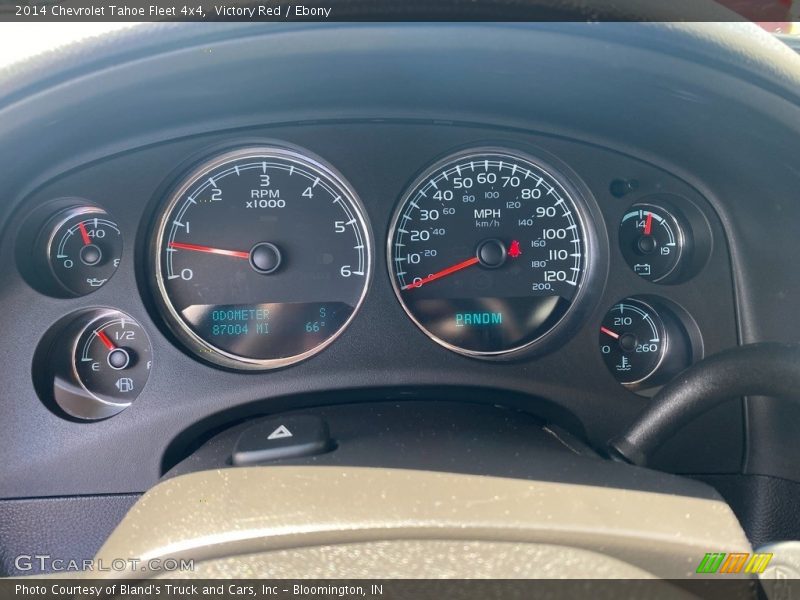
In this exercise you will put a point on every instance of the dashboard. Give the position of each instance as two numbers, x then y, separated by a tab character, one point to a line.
525	290
246	220
261	257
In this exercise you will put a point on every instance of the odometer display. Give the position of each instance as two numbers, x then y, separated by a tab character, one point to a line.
487	251
262	258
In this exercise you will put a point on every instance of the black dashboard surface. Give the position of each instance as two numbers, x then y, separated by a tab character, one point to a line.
381	103
381	348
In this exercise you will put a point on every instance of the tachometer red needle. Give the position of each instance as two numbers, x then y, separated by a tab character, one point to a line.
196	248
443	273
609	332
648	223
106	340
84	234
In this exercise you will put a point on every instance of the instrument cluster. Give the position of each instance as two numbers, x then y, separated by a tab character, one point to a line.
260	256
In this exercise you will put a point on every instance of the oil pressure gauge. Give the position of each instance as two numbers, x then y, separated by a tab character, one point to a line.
102	362
652	241
82	247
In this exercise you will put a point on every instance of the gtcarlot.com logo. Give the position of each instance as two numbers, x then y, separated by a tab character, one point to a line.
46	563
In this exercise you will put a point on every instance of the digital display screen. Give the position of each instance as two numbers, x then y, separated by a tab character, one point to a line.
267	331
487	324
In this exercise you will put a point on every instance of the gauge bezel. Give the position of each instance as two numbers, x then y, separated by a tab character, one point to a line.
180	328
110	315
67	390
677	230
595	242
658	322
58	222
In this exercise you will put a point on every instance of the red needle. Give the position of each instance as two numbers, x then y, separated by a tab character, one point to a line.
84	234
106	340
609	332
648	224
196	248
443	273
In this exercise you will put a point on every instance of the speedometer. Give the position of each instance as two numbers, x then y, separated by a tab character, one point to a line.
488	251
262	258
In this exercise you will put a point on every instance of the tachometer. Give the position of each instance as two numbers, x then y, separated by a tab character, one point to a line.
488	251
262	258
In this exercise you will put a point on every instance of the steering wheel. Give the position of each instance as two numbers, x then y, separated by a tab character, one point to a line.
765	369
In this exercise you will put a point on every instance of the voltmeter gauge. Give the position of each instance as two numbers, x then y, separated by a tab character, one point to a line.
83	248
652	241
633	341
103	360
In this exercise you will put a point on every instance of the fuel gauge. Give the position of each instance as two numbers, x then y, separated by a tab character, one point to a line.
102	361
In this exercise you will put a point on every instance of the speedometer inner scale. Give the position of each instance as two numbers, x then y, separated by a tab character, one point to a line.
487	251
262	258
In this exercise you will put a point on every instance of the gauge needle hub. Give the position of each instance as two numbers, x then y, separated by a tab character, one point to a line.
209	250
118	358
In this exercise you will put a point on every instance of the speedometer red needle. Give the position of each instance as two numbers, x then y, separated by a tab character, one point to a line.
106	340
609	332
209	250
648	223
84	234
443	273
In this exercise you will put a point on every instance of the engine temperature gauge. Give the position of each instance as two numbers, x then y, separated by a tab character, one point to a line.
647	340
83	248
633	341
652	241
102	363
